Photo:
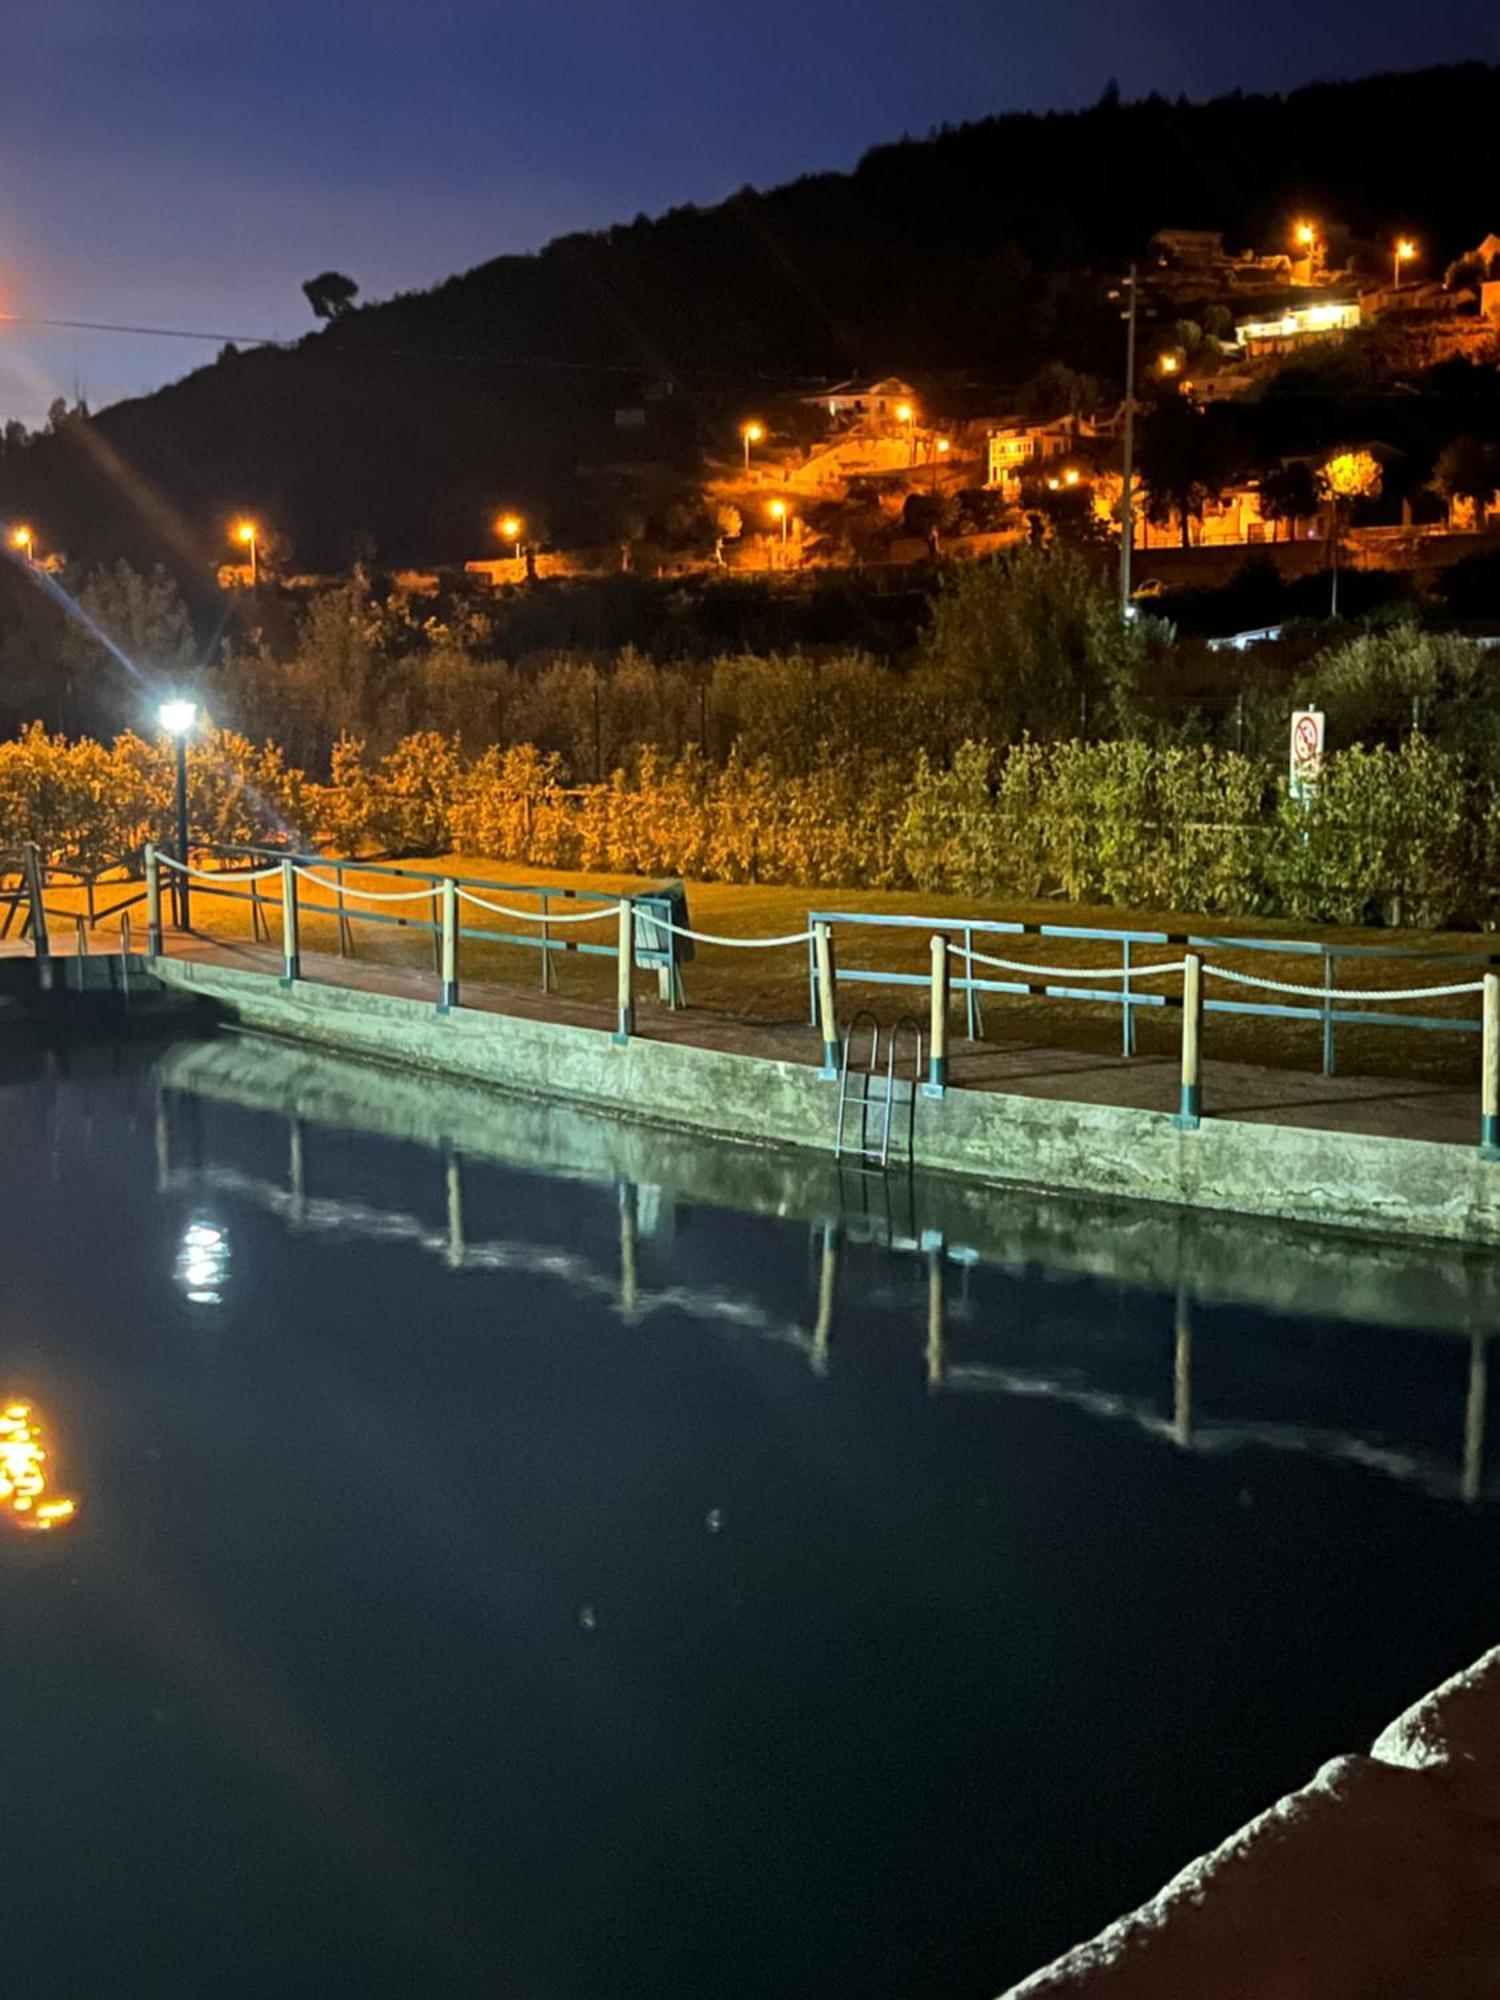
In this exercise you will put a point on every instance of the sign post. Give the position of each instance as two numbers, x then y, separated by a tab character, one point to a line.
1306	752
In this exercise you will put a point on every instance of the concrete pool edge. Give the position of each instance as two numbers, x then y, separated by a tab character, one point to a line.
1391	1186
1379	1875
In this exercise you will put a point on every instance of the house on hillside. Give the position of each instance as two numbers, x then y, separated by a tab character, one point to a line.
861	403
1481	267
1018	445
1294	326
1187	249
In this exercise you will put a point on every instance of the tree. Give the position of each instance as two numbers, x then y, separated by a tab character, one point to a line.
1063	510
331	294
728	523
1029	643
1185	459
1346	477
1468	468
1289	492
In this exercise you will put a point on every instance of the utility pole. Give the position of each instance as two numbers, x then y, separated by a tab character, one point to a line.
1127	495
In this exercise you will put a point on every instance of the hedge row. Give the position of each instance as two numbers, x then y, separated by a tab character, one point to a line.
1395	835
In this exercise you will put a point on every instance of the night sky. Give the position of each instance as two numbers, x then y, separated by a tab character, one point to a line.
186	163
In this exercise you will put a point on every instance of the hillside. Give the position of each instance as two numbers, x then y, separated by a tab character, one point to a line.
982	249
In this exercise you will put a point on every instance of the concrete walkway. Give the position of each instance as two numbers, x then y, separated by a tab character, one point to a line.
1249	1093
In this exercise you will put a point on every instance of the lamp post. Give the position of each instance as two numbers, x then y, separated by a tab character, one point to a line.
1402	252
779	511
247	534
751	433
177	718
1127	492
509	528
22	538
905	414
940	449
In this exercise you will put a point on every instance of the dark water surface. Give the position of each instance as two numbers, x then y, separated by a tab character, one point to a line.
494	1581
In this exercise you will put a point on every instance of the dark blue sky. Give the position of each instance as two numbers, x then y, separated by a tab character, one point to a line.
189	162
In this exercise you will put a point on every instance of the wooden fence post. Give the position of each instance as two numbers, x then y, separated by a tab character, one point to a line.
937	1059
828	1006
449	997
1489	1083
625	1024
291	953
153	902
1190	1104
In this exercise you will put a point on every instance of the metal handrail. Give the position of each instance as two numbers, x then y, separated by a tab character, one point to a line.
345	913
1330	1013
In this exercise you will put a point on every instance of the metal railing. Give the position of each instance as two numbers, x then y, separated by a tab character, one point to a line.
557	909
648	933
1328	1005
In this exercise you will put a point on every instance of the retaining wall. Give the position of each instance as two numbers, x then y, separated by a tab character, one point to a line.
1351	1180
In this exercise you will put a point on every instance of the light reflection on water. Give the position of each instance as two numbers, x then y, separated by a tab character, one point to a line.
25	1474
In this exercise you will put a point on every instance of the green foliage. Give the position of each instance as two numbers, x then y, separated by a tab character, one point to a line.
1376	687
91	808
1030	642
1387	834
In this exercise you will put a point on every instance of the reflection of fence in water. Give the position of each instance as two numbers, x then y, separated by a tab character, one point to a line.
639	1210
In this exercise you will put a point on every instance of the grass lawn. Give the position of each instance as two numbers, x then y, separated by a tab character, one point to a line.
772	985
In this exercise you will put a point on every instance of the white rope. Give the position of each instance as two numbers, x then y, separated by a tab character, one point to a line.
372	895
541	916
740	943
1069	971
1343	992
218	874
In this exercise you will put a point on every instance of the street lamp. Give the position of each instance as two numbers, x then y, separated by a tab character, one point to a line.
23	539
1168	363
247	534
779	511
509	528
177	718
751	433
905	414
1402	253
940	449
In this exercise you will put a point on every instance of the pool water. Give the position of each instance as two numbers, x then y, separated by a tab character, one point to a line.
549	1583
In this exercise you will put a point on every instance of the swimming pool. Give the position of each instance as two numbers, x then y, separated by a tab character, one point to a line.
520	1554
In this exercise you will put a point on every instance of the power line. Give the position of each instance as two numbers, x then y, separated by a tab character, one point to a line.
151	332
432	354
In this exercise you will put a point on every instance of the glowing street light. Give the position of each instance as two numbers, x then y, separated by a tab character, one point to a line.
24	540
1307	236
1402	252
510	528
941	447
247	534
177	719
1168	363
905	414
1071	476
779	511
751	433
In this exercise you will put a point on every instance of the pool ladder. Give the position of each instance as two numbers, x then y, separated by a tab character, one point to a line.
872	1089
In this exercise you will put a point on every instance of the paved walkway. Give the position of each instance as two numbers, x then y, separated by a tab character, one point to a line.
1246	1091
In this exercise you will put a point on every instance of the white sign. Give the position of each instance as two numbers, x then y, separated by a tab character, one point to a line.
1307	751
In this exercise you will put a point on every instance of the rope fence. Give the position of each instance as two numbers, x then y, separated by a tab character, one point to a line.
543	916
1128	973
1213	971
651	924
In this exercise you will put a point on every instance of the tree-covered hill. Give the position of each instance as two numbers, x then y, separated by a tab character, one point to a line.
984	249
